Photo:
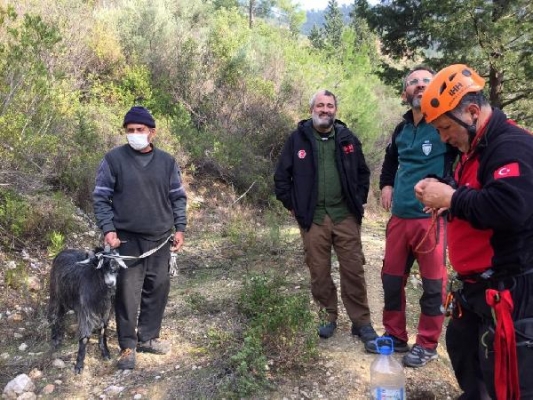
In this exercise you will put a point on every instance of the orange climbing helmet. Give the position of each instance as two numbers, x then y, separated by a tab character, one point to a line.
447	89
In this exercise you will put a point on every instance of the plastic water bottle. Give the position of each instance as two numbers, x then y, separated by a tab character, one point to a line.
387	379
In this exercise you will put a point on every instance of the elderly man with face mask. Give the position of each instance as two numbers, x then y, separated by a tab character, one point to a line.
323	179
139	204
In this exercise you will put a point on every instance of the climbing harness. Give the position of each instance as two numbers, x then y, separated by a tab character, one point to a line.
450	303
506	380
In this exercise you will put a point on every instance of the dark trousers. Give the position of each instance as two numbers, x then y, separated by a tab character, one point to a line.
345	238
470	338
142	291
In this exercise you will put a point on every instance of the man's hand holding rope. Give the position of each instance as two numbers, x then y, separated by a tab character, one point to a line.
112	239
178	241
434	194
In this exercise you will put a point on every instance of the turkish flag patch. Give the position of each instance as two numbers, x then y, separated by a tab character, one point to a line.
507	171
349	148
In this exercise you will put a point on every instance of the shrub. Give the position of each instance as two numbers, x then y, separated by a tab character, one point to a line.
35	218
57	243
16	278
280	332
282	319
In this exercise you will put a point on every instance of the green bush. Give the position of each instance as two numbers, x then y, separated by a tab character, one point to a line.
250	367
283	320
280	332
14	212
57	243
241	230
16	278
34	218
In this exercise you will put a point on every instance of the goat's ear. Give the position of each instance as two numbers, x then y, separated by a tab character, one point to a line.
88	260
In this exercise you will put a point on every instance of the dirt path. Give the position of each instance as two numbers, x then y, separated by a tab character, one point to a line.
199	316
344	369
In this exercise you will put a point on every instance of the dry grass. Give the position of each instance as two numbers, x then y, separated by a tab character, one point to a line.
224	242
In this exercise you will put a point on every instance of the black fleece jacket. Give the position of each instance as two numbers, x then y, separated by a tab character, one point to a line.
495	193
296	178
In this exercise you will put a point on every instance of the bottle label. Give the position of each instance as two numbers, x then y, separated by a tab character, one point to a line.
389	394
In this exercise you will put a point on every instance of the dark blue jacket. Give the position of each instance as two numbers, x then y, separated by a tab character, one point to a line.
296	179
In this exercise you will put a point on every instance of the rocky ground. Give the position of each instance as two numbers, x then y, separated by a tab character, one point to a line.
201	302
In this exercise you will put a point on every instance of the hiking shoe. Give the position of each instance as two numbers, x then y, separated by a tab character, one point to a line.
365	332
154	346
326	331
126	360
399	346
419	356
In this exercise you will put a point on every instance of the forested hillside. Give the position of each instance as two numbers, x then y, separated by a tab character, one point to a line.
316	18
494	37
227	81
225	92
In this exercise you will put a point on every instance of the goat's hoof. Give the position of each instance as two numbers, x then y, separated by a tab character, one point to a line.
78	370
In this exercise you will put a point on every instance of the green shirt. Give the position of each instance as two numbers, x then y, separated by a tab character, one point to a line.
330	196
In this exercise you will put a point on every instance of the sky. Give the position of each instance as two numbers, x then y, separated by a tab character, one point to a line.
321	4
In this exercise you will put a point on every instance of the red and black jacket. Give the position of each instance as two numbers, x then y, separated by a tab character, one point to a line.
492	210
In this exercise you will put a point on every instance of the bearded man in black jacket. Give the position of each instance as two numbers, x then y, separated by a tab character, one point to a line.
323	179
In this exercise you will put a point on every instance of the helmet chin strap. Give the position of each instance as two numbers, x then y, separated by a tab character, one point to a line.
471	129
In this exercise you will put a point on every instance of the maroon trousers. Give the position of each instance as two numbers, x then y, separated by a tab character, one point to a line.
408	240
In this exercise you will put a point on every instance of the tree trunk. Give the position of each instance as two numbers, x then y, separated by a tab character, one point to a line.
251	14
495	76
495	83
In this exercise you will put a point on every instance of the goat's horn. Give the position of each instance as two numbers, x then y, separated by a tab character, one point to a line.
100	263
86	261
121	262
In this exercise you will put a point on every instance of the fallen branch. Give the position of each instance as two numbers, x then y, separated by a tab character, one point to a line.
244	194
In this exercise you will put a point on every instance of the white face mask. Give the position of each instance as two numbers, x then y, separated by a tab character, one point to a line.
138	141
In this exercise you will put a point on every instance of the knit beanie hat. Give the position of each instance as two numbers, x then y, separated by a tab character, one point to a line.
139	115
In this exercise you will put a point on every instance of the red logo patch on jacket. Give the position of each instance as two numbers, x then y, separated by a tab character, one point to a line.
349	148
507	171
302	154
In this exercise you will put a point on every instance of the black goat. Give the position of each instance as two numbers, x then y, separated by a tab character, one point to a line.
83	282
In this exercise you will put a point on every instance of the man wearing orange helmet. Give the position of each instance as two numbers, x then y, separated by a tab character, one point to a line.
490	236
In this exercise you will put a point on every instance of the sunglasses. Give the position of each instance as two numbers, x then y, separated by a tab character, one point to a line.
416	81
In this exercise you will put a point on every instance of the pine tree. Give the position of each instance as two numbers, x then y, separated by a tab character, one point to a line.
334	24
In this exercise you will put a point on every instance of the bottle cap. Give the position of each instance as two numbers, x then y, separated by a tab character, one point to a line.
385	345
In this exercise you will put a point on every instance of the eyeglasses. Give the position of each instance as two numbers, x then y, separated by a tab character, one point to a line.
416	81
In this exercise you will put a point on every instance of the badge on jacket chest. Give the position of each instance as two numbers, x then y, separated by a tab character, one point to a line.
426	147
